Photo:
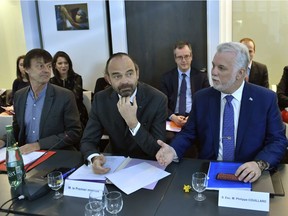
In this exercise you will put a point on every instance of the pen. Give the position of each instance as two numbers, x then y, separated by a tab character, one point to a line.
68	172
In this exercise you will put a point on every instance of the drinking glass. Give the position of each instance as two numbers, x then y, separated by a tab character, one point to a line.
55	182
114	202
95	208
199	183
97	198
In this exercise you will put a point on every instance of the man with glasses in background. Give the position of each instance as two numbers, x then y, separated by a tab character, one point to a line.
181	83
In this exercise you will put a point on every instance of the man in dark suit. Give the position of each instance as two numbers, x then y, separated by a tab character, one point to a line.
132	114
257	73
45	114
255	136
172	80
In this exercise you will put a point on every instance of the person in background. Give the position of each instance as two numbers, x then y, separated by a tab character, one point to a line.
101	84
171	83
65	77
282	90
21	81
132	113
257	73
233	120
46	115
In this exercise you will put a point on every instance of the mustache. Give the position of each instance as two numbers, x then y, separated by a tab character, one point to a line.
124	86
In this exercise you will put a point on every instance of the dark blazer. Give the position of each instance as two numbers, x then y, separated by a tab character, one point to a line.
169	85
60	121
104	114
282	90
260	134
259	74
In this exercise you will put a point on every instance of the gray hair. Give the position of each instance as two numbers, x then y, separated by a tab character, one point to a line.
242	55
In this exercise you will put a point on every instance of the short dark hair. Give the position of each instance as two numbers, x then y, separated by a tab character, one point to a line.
119	54
245	40
36	53
181	44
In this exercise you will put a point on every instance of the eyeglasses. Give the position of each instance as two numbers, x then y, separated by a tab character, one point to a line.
180	58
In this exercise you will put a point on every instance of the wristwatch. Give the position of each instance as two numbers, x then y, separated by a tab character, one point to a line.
263	165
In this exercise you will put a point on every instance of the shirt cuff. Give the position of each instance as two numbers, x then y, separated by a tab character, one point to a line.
175	158
135	130
89	159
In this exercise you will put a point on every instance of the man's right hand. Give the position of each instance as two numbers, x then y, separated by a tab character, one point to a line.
97	165
166	154
179	120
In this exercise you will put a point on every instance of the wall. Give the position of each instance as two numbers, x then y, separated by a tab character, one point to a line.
268	30
12	40
88	49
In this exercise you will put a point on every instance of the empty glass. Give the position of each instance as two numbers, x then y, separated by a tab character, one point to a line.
95	208
114	202
199	184
55	182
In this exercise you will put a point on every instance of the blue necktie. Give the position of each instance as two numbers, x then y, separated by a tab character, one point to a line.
228	130
182	96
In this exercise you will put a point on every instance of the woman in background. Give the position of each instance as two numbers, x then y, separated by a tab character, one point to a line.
21	81
65	77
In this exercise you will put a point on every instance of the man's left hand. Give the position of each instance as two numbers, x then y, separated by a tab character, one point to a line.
128	111
248	172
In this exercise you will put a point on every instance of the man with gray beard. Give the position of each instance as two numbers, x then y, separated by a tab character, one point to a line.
233	120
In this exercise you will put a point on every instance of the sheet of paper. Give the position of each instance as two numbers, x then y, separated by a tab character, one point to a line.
2	154
133	178
136	161
86	173
27	158
171	127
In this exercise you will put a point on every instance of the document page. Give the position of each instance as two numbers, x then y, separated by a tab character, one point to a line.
27	158
86	173
135	177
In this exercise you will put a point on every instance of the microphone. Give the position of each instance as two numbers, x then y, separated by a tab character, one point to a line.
36	185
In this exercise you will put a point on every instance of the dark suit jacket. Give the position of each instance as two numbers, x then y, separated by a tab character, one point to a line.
260	134
104	114
60	121
169	85
282	90
259	74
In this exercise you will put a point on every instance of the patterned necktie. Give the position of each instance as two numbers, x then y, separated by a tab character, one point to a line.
182	98
228	130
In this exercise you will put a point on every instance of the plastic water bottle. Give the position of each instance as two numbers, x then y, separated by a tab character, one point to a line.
14	160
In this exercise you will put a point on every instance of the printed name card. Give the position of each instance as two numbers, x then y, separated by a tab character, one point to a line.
244	199
82	188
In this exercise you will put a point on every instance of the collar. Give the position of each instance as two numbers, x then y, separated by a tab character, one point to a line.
132	96
250	64
187	72
237	94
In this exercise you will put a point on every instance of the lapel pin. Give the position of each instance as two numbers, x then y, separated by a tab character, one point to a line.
251	99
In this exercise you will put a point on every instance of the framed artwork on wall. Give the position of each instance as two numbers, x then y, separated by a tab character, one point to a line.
72	17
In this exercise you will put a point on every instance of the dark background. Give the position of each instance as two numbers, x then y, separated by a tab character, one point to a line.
153	27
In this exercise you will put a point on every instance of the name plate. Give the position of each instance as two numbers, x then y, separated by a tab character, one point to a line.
244	199
82	188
